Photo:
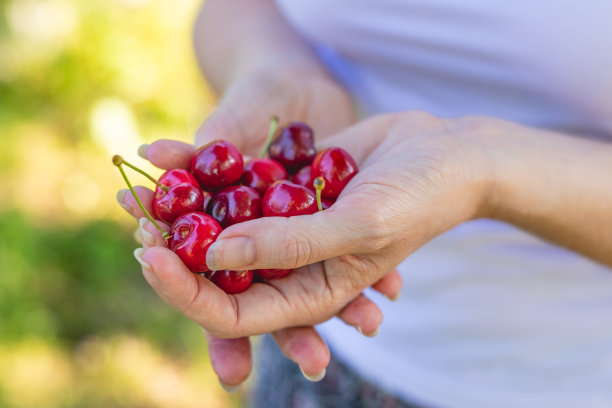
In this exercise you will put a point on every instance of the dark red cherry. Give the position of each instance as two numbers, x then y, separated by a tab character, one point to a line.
272	273
232	282
304	177
293	146
326	203
190	236
260	173
285	199
337	168
216	164
235	204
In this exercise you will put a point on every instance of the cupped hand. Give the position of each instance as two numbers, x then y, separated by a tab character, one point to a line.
243	118
231	358
419	176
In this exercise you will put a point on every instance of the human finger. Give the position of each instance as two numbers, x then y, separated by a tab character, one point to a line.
168	154
231	360
305	347
389	285
126	200
363	314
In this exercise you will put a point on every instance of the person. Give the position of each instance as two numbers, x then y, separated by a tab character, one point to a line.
483	134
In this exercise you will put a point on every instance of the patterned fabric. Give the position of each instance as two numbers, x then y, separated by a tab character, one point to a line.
280	384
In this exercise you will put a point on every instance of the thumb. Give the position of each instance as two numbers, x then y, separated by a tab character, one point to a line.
242	118
288	243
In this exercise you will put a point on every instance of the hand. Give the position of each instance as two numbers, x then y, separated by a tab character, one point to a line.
231	358
419	176
243	118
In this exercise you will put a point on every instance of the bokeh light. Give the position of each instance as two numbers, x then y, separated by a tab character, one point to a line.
79	82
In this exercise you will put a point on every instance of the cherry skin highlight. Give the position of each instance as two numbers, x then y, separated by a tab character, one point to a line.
232	282
337	168
285	199
216	164
293	146
260	173
190	236
235	204
175	177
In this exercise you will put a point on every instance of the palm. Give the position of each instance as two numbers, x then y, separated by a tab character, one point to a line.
243	115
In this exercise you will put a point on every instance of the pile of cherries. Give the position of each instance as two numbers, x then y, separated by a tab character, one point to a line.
220	190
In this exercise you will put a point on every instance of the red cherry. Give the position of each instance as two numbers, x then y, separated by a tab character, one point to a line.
232	282
180	194
326	203
304	177
235	204
285	199
272	273
337	168
216	164
175	177
190	236
294	146
260	173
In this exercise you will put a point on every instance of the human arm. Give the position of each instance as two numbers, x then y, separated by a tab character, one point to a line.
420	176
251	56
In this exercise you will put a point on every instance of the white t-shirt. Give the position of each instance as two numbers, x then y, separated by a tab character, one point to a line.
489	316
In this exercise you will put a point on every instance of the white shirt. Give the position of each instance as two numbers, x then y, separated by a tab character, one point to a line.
489	316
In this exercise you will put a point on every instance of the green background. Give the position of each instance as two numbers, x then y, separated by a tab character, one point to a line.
79	82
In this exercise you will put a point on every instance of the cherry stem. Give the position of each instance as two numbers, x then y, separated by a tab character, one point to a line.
271	132
319	185
121	160
118	161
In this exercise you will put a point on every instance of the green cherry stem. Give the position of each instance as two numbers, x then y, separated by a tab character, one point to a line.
271	132
319	185
118	161
144	173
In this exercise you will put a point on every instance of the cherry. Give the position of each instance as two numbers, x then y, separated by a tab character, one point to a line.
285	199
326	203
304	177
217	164
336	167
293	146
235	204
260	173
177	193
190	236
175	177
232	282
272	273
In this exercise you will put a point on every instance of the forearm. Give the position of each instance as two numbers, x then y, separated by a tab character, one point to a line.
556	186
233	36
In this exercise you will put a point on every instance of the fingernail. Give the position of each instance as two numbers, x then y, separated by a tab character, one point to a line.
137	236
229	388
231	253
394	297
142	151
373	334
314	378
138	255
147	237
120	195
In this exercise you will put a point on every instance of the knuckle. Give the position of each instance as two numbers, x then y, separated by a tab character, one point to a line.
378	237
297	250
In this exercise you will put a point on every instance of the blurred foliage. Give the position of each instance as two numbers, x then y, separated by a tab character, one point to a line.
79	326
